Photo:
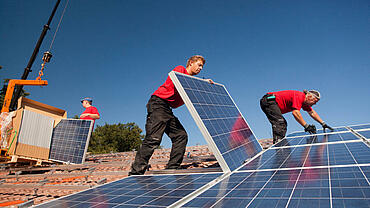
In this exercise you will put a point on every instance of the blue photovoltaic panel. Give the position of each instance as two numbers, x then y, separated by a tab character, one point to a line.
311	187
314	139
294	157
349	186
223	126
315	187
320	131
365	134
70	140
135	191
358	127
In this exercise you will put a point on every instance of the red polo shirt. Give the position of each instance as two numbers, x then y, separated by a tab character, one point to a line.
289	100
91	110
168	92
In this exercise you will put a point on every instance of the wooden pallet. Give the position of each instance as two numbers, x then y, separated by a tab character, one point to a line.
32	161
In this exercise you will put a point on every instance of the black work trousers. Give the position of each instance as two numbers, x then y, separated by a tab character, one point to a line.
273	113
160	119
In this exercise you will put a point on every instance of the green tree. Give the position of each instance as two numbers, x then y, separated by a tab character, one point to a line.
115	138
3	92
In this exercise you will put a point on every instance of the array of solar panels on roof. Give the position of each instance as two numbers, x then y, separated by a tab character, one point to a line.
223	126
331	172
70	140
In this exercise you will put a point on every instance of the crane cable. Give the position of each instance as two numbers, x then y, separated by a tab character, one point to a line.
55	33
47	55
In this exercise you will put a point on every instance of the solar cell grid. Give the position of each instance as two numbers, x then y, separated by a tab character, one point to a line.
155	191
365	134
320	131
314	187
361	126
316	155
70	140
220	121
314	139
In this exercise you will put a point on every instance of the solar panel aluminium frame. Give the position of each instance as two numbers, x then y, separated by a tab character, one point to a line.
212	145
86	146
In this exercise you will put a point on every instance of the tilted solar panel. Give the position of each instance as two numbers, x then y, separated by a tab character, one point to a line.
223	126
70	140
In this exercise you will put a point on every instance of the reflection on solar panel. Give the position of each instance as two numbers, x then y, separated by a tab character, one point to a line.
70	140
144	191
220	121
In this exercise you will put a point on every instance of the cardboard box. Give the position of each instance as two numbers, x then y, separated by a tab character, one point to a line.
16	148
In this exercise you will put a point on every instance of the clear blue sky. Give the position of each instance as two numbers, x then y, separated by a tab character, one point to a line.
119	52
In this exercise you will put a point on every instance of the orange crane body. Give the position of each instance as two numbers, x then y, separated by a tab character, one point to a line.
12	83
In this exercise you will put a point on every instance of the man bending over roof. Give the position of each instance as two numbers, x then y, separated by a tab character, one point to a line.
274	104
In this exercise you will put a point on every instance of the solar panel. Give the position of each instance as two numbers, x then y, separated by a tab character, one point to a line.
70	140
365	133
319	131
361	126
314	139
223	126
135	191
314	155
313	175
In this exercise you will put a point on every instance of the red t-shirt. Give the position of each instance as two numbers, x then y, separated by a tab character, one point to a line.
289	100
168	92
91	110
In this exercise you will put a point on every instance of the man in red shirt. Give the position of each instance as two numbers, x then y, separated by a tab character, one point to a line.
90	113
160	119
274	104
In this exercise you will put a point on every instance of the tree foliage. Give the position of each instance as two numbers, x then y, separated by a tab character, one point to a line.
3	92
115	138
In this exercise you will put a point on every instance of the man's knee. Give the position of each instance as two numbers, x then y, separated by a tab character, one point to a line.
280	128
151	141
182	137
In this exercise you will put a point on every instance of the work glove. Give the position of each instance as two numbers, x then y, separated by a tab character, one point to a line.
310	129
326	126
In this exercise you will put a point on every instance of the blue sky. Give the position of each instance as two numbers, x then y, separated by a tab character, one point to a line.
119	53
